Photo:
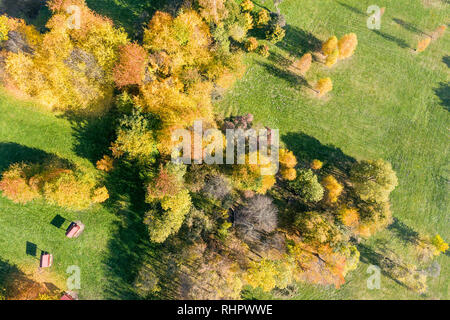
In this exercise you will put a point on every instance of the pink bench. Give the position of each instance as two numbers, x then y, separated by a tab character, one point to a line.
74	230
46	260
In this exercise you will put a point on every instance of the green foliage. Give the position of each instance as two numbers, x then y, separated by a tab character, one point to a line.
163	224
373	180
307	186
317	228
275	33
136	138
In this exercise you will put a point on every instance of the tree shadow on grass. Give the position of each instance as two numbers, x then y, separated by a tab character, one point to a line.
307	148
14	284
93	136
13	153
443	93
352	9
294	80
446	60
403	232
408	26
298	42
400	42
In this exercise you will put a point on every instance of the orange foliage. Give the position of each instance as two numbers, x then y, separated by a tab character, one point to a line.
316	164
333	186
105	164
423	44
131	67
347	45
303	64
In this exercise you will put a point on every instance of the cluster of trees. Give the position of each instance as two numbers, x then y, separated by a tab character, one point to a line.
220	224
53	182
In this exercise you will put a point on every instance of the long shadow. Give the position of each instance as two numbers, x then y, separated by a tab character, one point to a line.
408	26
12	153
400	42
404	232
93	136
443	93
298	42
446	60
352	9
14	284
294	80
307	148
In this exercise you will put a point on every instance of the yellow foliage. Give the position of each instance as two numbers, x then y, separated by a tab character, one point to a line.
100	195
287	158
105	164
332	58
316	164
439	244
423	44
247	5
289	174
4	28
349	216
303	64
333	186
347	45
323	86
330	45
251	44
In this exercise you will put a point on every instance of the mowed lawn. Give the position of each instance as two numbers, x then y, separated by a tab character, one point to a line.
27	134
387	102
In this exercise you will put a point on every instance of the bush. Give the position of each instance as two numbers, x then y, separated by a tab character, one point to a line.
14	184
347	45
333	187
251	44
275	33
323	86
306	186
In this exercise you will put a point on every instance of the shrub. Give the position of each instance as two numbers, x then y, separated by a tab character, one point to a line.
323	86
251	44
439	244
329	46
303	64
347	45
14	184
332	58
333	187
306	186
423	44
263	50
289	174
247	5
287	158
275	33
316	164
263	18
105	164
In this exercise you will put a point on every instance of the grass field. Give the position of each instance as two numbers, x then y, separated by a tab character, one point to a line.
387	103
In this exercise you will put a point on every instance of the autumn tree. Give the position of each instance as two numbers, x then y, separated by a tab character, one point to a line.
131	66
333	187
373	180
329	46
323	86
287	162
347	45
303	64
316	164
422	44
306	186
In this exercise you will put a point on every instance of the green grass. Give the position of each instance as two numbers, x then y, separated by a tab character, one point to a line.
387	102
